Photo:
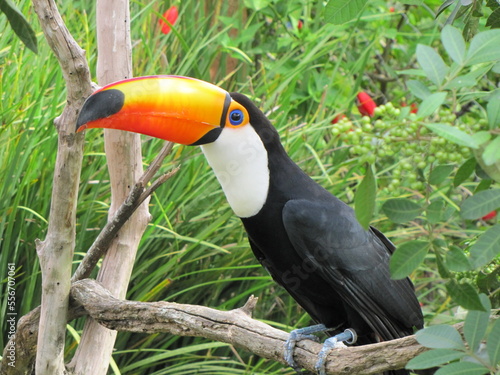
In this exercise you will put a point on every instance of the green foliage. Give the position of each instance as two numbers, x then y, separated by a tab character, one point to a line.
480	204
19	24
401	210
435	169
448	347
452	84
471	12
364	198
341	11
407	257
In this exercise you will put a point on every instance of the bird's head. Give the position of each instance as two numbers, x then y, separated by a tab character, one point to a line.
232	131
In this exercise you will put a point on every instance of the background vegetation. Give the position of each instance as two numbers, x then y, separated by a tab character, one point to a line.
304	73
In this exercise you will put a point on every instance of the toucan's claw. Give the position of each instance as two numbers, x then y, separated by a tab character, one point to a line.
297	335
348	336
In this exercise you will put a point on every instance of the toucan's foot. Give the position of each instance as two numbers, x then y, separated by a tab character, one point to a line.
348	336
297	335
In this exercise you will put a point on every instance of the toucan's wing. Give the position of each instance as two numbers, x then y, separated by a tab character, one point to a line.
355	262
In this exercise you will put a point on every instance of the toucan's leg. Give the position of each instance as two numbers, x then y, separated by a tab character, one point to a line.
297	335
349	336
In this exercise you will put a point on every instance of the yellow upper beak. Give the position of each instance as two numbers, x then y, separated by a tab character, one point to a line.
178	109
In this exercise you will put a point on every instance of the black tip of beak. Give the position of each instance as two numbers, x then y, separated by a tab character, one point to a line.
101	105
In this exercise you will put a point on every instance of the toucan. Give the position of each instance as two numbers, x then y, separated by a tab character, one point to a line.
308	240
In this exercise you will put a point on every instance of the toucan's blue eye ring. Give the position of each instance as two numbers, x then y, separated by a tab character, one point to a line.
236	117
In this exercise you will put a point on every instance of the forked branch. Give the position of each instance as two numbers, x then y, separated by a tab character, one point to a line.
138	194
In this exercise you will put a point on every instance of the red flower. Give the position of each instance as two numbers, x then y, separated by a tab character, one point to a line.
366	105
391	9
338	118
413	107
300	24
171	16
490	216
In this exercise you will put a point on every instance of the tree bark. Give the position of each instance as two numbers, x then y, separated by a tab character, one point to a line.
123	152
56	251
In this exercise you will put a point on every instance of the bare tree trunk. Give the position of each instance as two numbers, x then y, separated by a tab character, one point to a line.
123	151
56	251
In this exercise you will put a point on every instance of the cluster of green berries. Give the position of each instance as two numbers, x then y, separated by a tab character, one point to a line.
397	141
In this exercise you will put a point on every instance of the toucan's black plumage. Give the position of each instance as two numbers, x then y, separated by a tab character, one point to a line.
312	244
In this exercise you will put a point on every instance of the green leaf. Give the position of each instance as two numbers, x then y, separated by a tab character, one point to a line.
484	48
493	344
492	4
442	269
364	199
456	260
460	82
491	153
430	104
440	173
342	11
493	20
493	111
453	43
477	72
19	24
401	210
480	204
257	4
486	181
486	248
434	212
453	135
440	337
481	137
464	172
445	5
476	324
432	64
407	258
496	68
433	358
487	282
418	89
462	368
464	294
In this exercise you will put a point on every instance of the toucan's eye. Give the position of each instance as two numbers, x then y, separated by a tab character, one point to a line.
236	117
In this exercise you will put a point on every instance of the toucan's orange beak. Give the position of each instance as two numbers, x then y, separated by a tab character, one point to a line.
178	109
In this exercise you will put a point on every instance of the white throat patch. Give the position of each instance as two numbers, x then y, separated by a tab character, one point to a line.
239	160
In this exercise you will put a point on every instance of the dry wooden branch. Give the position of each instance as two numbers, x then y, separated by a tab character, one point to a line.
138	194
56	251
236	327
